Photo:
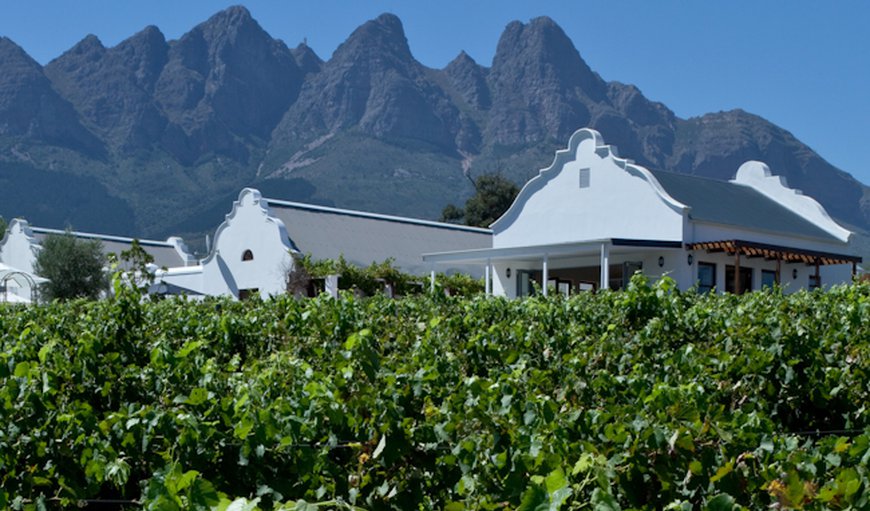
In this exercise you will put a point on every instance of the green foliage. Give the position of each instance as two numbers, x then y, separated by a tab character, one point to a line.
74	267
460	284
650	398
493	195
368	280
3	226
453	214
133	264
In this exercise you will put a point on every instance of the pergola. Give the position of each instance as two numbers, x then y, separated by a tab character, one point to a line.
9	274
780	254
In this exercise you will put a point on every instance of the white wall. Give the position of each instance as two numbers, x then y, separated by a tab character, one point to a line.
831	275
249	226
18	248
621	201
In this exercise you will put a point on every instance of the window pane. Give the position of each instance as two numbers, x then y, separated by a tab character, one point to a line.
706	277
768	278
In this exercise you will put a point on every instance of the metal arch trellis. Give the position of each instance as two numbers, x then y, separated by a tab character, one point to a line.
27	278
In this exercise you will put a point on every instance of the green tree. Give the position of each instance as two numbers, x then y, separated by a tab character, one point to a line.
74	267
493	196
3	226
134	264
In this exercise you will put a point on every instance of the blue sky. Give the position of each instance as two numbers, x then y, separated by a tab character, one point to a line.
804	65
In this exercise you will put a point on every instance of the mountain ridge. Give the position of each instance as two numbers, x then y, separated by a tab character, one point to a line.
170	128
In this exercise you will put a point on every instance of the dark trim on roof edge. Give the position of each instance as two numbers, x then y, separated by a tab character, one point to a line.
623	242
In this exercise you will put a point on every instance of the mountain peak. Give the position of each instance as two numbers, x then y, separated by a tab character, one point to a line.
463	59
382	34
306	59
391	22
468	78
542	40
233	15
29	106
227	25
150	32
544	22
536	64
89	44
10	48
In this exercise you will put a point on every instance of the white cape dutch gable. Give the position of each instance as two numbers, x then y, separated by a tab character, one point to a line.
589	193
251	253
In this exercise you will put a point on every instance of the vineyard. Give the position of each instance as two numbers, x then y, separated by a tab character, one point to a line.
651	398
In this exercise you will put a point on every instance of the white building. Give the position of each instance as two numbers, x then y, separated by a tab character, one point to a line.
22	242
253	247
592	219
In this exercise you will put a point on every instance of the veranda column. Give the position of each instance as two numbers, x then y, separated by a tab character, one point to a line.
778	268
546	275
604	277
432	280
737	289
487	284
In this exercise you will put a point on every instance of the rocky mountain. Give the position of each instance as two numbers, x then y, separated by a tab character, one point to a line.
167	132
31	108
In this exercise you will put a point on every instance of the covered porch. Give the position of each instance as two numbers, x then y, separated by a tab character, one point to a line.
738	276
565	268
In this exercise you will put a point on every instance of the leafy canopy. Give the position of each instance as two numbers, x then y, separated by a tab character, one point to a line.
647	398
73	266
493	196
3	226
134	264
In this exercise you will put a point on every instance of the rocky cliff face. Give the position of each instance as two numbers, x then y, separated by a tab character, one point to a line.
30	108
174	128
372	84
112	88
225	82
541	88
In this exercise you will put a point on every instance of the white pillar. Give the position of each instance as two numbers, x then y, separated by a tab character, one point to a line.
604	280
546	275
330	284
487	284
432	281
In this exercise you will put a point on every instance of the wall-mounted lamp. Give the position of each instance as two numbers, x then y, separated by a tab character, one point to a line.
508	273
661	261
690	259
794	273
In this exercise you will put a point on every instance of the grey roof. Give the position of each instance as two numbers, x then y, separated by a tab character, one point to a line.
364	238
163	252
734	204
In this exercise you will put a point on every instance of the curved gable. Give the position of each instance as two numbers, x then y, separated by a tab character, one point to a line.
19	246
589	193
249	227
757	175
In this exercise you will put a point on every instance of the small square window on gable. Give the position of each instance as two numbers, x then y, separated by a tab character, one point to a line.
584	178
